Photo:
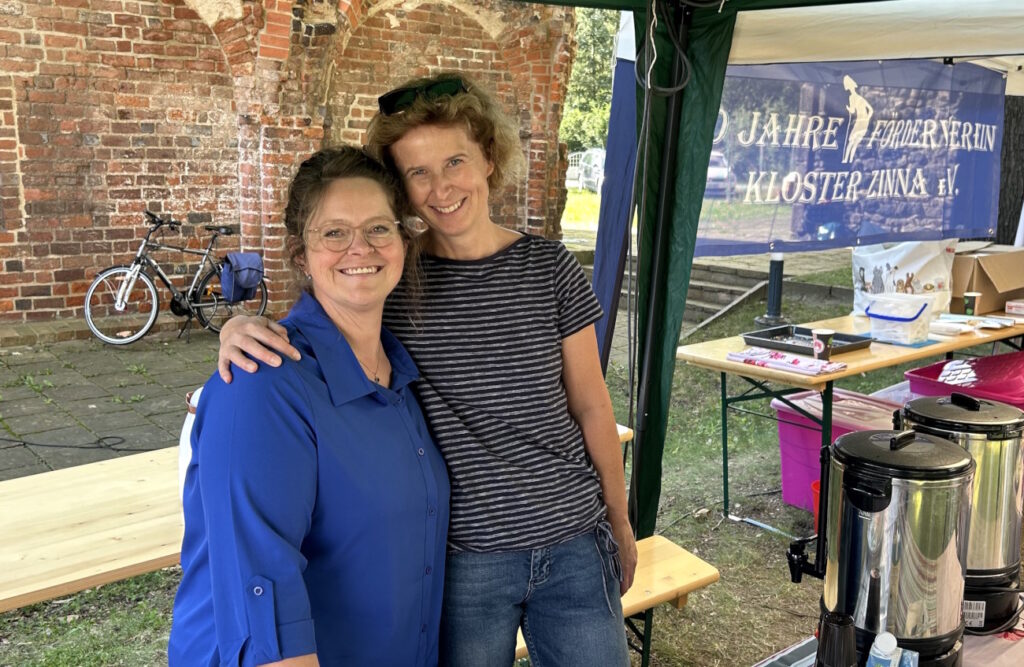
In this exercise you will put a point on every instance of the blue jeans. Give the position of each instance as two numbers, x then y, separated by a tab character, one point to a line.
566	597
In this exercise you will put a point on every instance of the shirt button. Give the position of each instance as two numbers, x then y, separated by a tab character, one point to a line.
257	591
428	570
423	629
431	511
420	451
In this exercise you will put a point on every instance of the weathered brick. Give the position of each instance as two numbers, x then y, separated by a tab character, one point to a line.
35	290
152	115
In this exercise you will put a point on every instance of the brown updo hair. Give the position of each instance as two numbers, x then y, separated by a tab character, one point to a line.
475	110
310	183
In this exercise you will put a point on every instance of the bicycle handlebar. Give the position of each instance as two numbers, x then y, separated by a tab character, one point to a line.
157	221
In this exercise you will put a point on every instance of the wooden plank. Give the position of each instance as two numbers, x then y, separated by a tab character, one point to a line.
665	572
71	529
712	354
48	589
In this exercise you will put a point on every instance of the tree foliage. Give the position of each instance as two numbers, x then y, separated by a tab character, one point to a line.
589	97
742	96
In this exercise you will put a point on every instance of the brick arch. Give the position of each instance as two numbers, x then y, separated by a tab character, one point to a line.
519	52
539	53
239	39
274	69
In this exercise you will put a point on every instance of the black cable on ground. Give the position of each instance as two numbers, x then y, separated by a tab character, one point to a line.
110	442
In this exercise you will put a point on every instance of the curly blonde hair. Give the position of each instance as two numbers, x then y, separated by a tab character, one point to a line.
472	108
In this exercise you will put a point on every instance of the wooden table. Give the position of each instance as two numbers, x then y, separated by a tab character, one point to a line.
712	355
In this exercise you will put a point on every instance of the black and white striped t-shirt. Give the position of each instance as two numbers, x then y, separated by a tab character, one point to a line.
488	343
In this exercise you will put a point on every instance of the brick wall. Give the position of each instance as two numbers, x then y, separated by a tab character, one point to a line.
108	107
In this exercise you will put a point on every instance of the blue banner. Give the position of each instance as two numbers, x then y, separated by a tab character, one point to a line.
814	156
615	214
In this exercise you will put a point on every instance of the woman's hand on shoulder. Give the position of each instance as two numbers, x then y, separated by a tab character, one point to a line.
245	340
623	534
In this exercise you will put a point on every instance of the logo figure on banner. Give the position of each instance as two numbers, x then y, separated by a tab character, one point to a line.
860	117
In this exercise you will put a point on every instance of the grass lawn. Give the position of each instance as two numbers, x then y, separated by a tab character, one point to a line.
581	210
841	276
123	624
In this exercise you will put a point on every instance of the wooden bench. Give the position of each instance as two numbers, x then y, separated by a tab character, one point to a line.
71	529
665	572
67	530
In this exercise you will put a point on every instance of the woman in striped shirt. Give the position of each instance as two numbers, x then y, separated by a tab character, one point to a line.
501	326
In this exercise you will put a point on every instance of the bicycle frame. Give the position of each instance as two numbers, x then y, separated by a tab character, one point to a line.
142	258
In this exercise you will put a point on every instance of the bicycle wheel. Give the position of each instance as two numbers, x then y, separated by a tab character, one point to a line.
130	323
213	311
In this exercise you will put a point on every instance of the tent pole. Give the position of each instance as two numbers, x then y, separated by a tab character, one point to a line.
682	16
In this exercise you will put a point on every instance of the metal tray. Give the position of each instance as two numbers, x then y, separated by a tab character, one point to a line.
790	338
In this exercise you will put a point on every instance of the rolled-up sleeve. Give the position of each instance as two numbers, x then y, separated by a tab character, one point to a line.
257	468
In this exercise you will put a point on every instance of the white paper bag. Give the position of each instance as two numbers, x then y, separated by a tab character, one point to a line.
922	268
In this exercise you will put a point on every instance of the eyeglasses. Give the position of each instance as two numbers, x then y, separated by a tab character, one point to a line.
401	99
337	237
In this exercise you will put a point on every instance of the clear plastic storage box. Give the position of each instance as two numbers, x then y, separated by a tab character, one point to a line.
899	318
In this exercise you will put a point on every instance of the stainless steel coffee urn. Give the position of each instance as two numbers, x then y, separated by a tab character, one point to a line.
899	505
991	432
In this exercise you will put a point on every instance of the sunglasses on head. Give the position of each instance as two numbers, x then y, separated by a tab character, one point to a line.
401	99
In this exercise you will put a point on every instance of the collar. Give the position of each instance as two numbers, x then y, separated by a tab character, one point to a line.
345	378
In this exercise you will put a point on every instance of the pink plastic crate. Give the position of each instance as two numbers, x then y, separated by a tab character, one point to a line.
999	377
800	438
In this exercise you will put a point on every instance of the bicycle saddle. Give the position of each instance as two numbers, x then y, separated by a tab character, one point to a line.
223	231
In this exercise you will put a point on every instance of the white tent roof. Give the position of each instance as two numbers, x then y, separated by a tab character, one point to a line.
988	32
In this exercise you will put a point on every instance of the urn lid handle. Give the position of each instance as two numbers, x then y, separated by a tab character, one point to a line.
902	439
964	401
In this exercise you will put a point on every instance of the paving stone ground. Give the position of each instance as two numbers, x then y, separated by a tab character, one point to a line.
73	402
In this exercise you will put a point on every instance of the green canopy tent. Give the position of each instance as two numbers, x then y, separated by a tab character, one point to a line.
680	129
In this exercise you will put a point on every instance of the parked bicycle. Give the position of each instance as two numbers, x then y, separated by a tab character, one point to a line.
122	303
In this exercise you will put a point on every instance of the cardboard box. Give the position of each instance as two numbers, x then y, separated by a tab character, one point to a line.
1014	307
996	271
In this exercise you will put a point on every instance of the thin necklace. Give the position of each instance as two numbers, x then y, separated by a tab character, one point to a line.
375	374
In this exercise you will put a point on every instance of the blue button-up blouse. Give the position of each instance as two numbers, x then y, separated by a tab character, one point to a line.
316	513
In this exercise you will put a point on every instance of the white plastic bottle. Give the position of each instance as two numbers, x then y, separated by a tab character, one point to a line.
883	651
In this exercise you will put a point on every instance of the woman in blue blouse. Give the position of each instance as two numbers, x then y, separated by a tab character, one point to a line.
316	504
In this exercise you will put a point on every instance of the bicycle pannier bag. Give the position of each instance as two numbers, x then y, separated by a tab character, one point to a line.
241	275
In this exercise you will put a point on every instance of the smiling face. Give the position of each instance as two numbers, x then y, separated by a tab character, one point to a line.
359	278
445	175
